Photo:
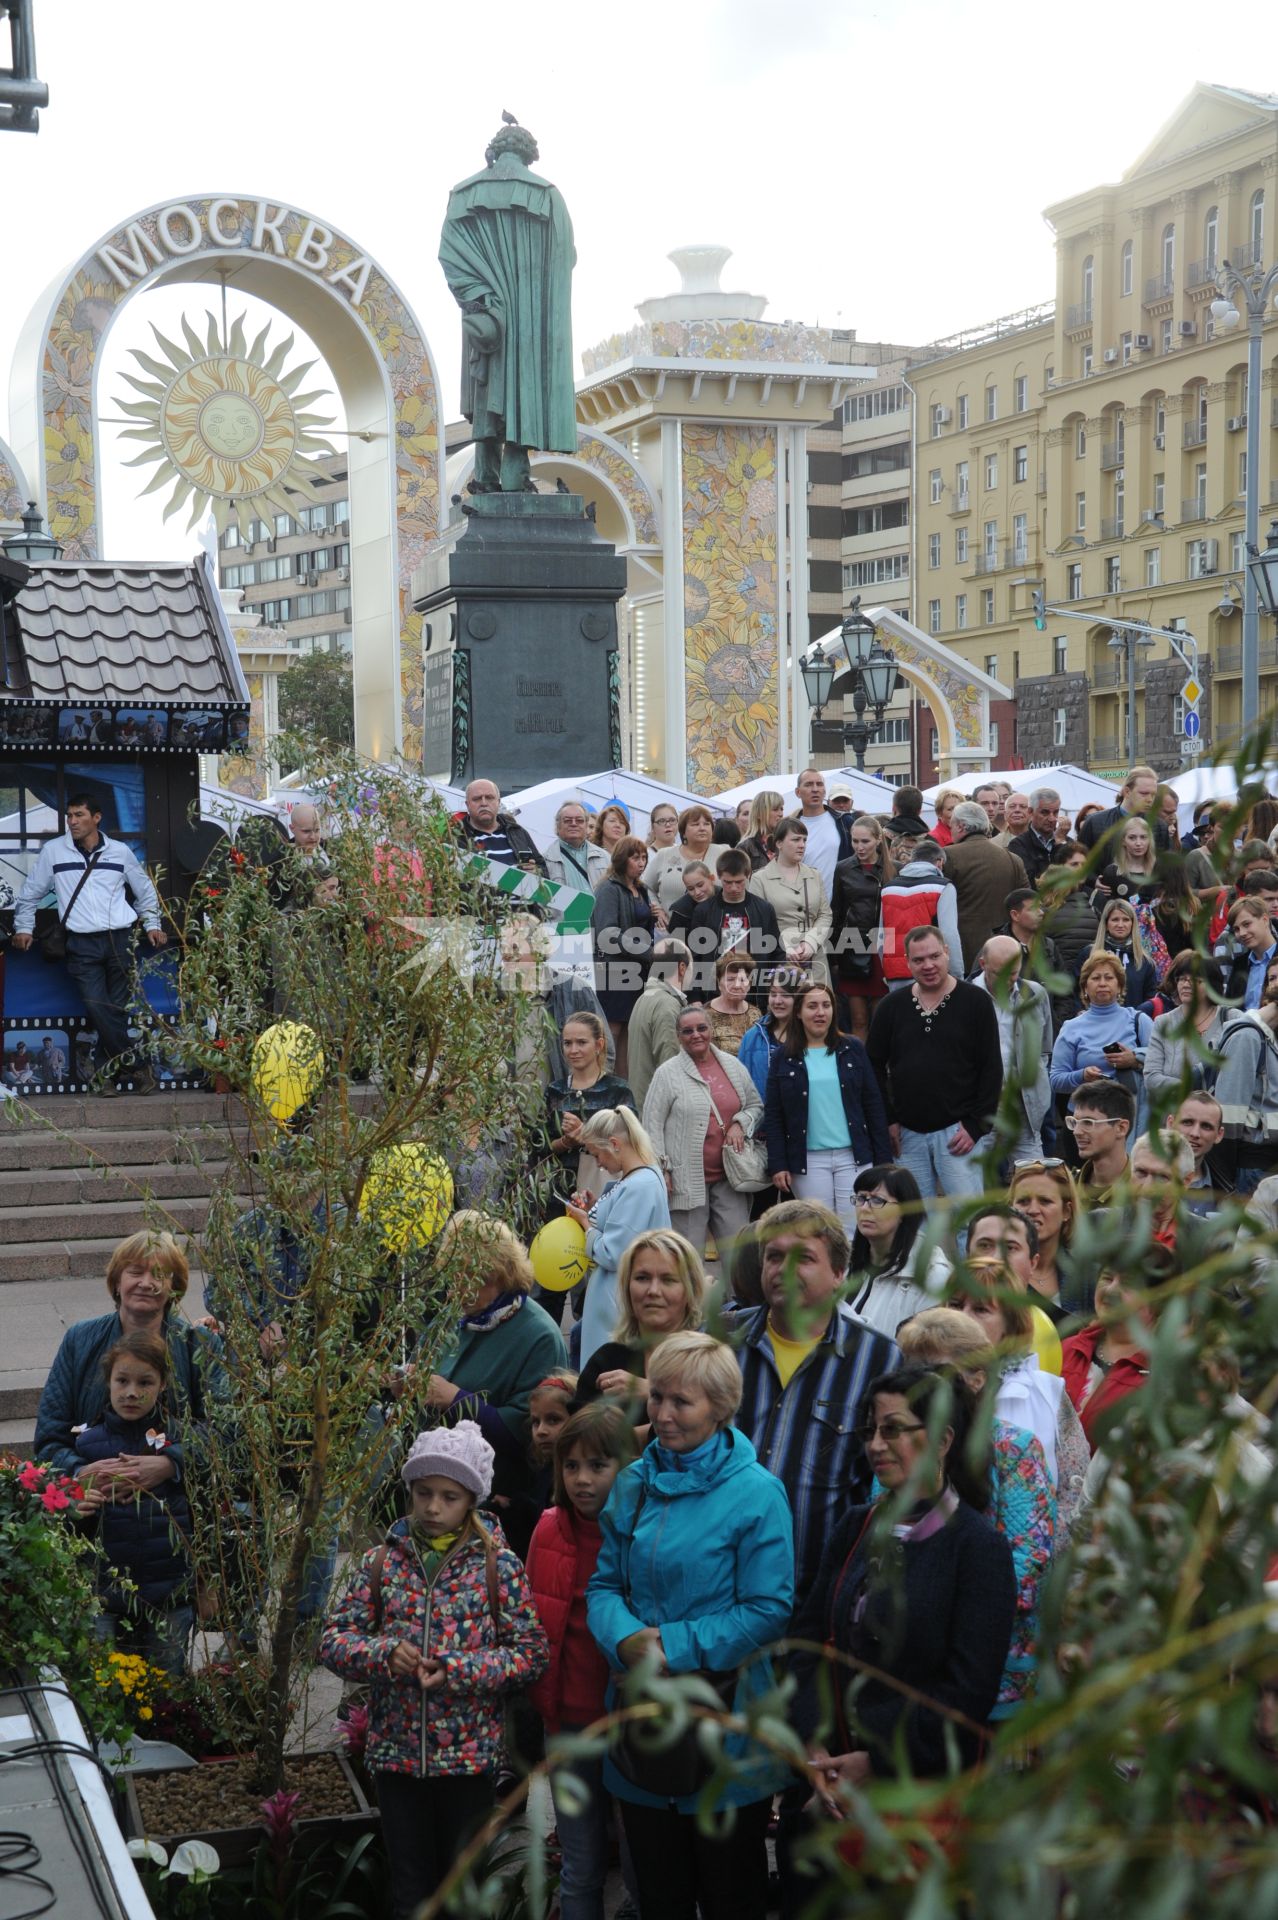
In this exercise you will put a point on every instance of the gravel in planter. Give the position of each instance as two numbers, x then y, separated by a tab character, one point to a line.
216	1795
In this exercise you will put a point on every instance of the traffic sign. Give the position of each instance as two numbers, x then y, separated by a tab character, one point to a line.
1190	749
1191	693
1193	723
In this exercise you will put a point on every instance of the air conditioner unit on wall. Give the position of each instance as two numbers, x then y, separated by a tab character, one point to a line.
1236	423
1144	341
1160	441
1111	354
943	416
1187	329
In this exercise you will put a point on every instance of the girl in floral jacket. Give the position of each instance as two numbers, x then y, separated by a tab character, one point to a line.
441	1623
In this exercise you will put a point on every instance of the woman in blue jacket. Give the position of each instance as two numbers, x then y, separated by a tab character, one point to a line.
764	1040
823	1112
696	1572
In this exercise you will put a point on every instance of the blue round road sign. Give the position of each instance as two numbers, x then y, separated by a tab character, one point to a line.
1193	725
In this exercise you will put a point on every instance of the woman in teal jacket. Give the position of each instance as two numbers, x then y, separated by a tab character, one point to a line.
696	1570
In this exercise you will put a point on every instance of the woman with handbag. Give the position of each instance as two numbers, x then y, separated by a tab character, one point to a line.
695	1576
701	1111
824	1118
796	893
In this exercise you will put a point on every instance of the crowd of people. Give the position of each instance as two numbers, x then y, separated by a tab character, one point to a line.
843	1378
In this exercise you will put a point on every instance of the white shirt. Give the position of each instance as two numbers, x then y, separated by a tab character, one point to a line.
823	848
102	902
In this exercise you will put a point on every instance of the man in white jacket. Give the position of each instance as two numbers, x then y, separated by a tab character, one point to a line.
572	860
88	874
1025	1036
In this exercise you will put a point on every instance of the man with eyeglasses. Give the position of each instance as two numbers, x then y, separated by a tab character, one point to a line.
572	859
1101	1119
805	1365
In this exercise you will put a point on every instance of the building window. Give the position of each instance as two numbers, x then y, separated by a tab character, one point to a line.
1160	491
1020	393
284	526
884	516
1088	283
960	611
1165	336
1087	363
987	606
934	745
991	472
1060	653
961	480
1242	471
877	572
1200	488
934	550
991	403
1211	236
1169	253
991	665
1153	566
990	537
936	485
231	538
1020	539
934	616
938	422
993	747
1113	576
1020	465
960	546
1126	281
1160	418
896	731
1074	581
964	414
1237	552
1125	342
1080	513
871	406
1202	559
1080	441
1120	503
1258	226
1060	723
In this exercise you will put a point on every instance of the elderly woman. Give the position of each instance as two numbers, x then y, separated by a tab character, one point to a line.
632	1201
625	923
147	1280
663	875
767	810
796	893
662	1289
943	806
1107	1040
731	1015
503	1346
918	1587
696	1573
1184	1042
698	1103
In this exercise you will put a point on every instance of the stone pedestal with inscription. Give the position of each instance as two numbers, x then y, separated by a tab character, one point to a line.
520	644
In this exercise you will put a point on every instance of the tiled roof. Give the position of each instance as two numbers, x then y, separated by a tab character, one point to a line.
97	632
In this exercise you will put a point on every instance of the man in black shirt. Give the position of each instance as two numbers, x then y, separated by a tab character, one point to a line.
732	918
936	1052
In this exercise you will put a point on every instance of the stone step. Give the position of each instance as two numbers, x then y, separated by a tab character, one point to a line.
32	1147
55	1259
25	1190
76	1112
50	1226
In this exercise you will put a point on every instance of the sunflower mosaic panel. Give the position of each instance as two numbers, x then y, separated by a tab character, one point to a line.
962	698
730	562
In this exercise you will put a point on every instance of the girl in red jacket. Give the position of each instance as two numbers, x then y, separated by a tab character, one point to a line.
589	1453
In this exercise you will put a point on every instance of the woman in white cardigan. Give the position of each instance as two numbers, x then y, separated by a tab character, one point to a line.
697	1103
796	893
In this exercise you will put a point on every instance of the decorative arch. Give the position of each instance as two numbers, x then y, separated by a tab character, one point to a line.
13	485
323	281
958	693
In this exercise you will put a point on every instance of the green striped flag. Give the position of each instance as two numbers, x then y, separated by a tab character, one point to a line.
570	906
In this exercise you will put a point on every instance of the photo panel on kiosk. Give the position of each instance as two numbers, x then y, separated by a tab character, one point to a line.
27	726
88	726
198	729
139	728
48	1056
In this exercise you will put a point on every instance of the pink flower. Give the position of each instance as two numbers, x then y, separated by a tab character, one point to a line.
31	1479
53	1499
279	1817
354	1732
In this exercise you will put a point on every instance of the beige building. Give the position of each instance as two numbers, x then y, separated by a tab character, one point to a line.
1097	449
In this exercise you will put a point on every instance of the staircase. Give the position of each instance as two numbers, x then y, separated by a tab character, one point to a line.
77	1175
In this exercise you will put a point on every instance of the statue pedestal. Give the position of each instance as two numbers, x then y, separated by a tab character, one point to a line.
520	644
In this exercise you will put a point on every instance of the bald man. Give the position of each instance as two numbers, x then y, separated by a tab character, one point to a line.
1025	1039
307	831
482	827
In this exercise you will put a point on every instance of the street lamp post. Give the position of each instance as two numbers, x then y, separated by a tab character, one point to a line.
875	678
1255	286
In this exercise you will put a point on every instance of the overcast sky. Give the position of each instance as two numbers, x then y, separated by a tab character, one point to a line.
876	166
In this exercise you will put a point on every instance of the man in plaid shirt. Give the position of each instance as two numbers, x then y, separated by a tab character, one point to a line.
805	1363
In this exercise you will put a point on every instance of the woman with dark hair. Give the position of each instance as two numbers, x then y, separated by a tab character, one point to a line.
611	825
796	893
855	904
885	1250
919	1588
765	1039
664	873
1177	903
625	922
824	1115
1184	1040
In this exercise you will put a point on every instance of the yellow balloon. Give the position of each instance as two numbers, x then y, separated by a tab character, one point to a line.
288	1065
1047	1342
558	1255
408	1192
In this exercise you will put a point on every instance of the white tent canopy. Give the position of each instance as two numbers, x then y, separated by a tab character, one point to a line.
869	795
292	789
1075	786
1216	783
638	794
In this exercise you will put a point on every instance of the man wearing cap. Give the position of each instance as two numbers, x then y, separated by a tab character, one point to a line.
841	798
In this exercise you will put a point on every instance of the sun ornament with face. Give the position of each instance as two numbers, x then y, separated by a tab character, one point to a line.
226	426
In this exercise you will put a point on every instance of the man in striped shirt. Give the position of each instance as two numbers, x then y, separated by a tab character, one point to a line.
806	1363
88	875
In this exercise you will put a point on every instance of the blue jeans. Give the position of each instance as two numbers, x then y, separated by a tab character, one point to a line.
160	1634
101	965
937	1170
583	1842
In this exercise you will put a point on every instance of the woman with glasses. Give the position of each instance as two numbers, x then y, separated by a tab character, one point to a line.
699	1103
919	1588
663	875
886	1250
1183	1050
823	1113
1044	1191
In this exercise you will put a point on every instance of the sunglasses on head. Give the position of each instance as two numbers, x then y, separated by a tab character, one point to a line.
1020	1166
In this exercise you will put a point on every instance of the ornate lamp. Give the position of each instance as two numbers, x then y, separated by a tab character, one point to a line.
35	546
1263	567
818	678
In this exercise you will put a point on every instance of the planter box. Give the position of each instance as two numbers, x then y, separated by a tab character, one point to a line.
237	1844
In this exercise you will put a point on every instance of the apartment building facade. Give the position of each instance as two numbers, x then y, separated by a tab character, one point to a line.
1095	447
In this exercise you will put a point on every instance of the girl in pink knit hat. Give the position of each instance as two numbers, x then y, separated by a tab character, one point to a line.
440	1622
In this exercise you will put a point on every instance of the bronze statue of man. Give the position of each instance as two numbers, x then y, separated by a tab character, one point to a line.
507	253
